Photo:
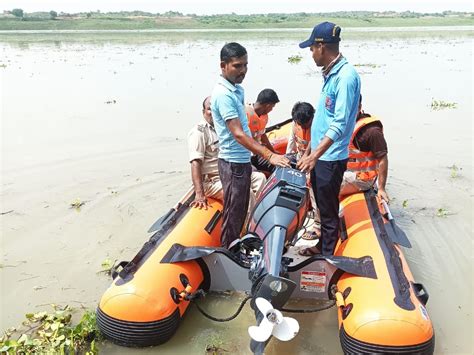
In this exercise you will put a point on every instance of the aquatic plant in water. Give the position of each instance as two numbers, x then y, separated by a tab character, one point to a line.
53	333
77	204
370	65
294	59
437	105
441	212
454	171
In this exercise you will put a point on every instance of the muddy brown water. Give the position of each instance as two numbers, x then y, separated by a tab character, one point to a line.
103	118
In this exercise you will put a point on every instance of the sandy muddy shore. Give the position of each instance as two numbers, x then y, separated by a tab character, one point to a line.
127	161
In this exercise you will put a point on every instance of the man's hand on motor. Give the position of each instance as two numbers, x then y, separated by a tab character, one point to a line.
306	163
279	160
200	201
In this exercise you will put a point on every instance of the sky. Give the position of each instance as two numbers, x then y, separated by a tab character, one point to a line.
201	7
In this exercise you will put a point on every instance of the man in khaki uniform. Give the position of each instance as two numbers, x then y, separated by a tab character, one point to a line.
203	147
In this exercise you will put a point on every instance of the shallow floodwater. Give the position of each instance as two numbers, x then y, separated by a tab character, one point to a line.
103	117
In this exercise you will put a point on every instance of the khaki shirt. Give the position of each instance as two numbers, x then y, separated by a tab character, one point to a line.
203	145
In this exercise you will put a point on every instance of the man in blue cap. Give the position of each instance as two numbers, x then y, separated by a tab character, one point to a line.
331	130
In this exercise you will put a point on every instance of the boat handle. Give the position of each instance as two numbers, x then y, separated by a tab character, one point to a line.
340	302
421	293
184	295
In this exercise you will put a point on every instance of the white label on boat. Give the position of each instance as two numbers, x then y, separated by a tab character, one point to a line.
424	313
313	281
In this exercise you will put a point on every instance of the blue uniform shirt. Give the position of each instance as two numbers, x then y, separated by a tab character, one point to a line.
227	102
337	110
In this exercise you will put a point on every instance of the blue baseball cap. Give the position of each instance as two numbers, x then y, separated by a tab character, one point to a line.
325	32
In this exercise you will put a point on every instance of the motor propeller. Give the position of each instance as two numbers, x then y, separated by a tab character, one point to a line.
273	323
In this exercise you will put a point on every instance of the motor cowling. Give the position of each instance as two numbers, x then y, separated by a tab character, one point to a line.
282	203
279	214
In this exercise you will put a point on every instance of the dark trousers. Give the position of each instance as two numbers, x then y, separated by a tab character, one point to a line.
326	179
262	165
235	178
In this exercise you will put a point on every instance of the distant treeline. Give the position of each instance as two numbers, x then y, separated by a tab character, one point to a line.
17	19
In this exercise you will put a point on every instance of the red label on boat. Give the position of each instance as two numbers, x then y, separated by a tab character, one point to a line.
313	281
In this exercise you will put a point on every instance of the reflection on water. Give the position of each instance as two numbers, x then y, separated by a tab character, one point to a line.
67	96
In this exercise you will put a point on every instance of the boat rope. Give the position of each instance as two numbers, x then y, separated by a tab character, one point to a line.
310	310
207	315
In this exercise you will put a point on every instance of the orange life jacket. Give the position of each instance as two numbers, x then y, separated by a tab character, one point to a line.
257	123
363	164
302	138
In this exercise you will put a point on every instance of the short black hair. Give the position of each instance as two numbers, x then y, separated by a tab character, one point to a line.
232	50
302	113
204	102
333	47
268	96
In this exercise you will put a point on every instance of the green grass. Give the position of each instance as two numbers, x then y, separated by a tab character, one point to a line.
116	22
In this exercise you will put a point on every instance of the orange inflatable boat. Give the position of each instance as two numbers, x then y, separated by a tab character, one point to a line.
381	309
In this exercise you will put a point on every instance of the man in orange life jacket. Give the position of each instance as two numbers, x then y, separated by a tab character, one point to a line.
257	115
368	161
300	132
298	142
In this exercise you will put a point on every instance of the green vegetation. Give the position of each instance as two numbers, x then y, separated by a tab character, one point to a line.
139	20
294	59
77	204
52	333
107	266
441	212
454	171
437	105
215	344
17	13
369	65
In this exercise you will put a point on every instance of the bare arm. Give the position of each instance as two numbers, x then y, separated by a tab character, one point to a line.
200	200
383	173
307	151
266	143
291	145
308	161
248	142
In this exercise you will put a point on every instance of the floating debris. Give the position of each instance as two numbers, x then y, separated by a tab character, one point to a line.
107	266
442	212
294	59
370	65
52	333
454	171
77	204
437	105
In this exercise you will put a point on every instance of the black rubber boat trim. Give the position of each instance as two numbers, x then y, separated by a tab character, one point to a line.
401	286
278	125
351	345
126	274
213	222
138	334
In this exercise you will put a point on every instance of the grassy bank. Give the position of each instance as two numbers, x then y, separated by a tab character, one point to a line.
119	21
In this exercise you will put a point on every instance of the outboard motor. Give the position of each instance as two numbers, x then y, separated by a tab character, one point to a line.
279	214
266	265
